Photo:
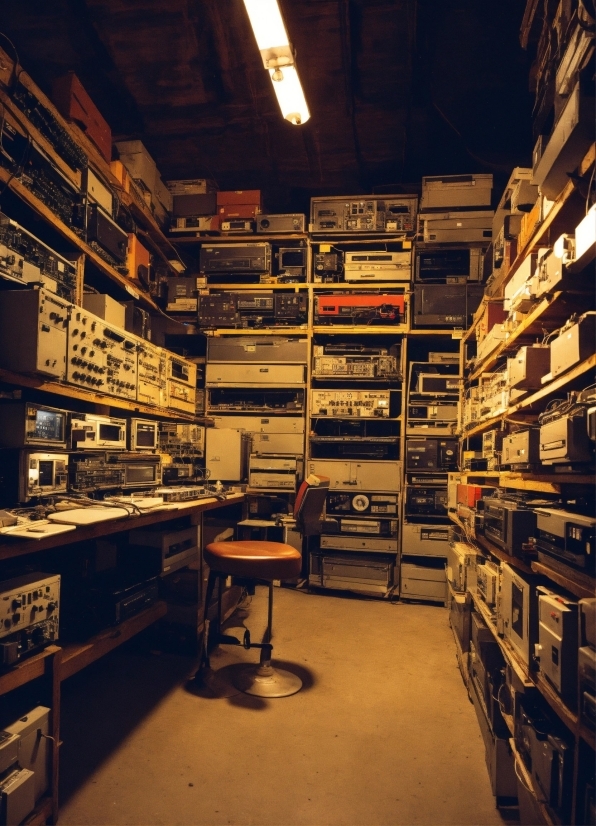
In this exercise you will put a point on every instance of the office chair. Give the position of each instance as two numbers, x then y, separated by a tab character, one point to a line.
261	561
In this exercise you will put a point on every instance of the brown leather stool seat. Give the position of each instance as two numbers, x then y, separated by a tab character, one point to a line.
254	559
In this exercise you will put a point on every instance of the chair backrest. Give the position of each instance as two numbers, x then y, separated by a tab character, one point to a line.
310	501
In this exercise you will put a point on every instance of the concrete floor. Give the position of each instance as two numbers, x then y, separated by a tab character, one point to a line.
382	733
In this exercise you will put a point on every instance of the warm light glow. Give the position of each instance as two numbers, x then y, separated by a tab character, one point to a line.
290	95
267	23
278	58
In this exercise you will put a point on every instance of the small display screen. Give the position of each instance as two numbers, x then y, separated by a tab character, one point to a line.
46	474
109	432
146	436
49	426
179	370
140	473
292	258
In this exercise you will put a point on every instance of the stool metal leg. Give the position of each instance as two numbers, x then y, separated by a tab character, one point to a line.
263	680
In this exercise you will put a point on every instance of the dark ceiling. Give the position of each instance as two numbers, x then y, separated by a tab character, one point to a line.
397	88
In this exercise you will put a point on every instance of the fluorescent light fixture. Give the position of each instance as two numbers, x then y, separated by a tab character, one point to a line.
278	58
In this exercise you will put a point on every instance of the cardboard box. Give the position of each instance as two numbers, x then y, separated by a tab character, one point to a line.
120	172
138	261
74	103
105	307
139	163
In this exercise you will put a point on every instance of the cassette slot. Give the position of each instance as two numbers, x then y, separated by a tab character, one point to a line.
426	502
362	526
255	400
361	504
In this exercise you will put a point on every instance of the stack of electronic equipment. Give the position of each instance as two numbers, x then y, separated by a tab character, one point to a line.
454	231
255	392
358	243
428	460
240	264
431	452
25	760
355	438
89	348
49	451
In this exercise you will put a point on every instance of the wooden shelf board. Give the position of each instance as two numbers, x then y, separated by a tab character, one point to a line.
363	329
358	285
550	313
28	669
214	237
278	331
78	656
556	384
519	564
520	668
449	331
38	206
296	287
580	586
73	392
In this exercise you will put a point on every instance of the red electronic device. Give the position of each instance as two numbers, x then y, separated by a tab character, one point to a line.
470	494
387	309
239	196
74	103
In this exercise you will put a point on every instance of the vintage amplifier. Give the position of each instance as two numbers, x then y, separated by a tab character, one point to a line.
33	332
181	383
574	344
528	366
27	424
350	573
89	431
175	548
27	474
567	536
266	349
445	305
268	401
27	260
554	273
444	265
355	214
424	540
434	384
521	449
151	374
360	504
272	472
244	310
426	502
557	642
355	476
229	374
91	472
455	227
192	204
140	469
287	222
359	544
182	294
455	191
361	526
23	631
470	494
350	404
236	258
431	454
488	578
378	265
507	524
96	191
362	308
105	236
564	440
328	363
144	435
568	143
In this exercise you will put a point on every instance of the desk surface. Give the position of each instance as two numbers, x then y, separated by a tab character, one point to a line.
10	548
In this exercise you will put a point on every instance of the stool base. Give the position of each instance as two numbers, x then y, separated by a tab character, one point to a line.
266	681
